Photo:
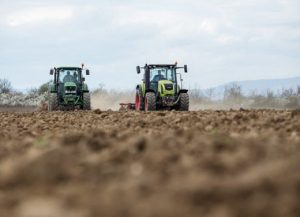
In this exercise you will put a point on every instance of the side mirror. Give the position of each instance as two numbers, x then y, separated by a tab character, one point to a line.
185	68
51	71
138	69
87	72
83	79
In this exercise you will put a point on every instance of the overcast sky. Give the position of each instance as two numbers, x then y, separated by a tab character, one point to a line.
220	40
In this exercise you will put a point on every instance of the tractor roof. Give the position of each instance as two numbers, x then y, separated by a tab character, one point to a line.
162	65
68	67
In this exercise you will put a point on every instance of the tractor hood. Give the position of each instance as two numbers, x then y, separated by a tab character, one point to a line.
70	84
166	88
70	95
70	88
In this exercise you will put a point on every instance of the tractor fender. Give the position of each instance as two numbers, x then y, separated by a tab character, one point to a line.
141	87
85	88
52	89
183	91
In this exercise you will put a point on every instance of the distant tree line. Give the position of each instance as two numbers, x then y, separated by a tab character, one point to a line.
7	88
233	97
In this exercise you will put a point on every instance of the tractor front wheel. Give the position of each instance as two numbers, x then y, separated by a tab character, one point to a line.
86	101
184	102
150	102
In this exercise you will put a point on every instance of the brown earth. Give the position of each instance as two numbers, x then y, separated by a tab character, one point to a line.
18	108
169	164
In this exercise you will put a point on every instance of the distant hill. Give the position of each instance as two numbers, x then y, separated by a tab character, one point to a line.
260	86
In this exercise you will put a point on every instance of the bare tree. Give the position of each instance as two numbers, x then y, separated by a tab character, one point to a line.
43	88
210	93
5	86
270	95
233	93
286	93
100	89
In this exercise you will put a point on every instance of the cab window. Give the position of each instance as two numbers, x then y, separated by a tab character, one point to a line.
159	74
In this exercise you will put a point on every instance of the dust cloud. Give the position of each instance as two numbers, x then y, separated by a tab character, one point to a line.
111	100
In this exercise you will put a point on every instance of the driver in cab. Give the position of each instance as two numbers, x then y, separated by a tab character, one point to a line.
69	78
158	77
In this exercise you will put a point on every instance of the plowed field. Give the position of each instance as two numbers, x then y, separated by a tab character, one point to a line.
208	163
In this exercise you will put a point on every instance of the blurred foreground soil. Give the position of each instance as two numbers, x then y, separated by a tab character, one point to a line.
207	163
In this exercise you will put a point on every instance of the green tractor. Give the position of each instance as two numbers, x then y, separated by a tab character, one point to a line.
160	89
68	90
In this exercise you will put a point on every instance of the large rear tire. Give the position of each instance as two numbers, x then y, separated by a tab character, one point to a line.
150	102
184	102
139	101
53	102
86	101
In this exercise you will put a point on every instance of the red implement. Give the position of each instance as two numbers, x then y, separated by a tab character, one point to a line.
127	106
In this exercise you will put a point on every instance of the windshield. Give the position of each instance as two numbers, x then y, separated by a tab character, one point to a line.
69	75
159	74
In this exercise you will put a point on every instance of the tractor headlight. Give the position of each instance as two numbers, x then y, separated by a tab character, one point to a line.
70	91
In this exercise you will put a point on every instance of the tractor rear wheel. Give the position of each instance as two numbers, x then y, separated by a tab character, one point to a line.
139	101
86	101
150	102
184	102
53	102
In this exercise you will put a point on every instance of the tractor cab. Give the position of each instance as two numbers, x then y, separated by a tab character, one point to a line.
162	76
68	74
157	76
